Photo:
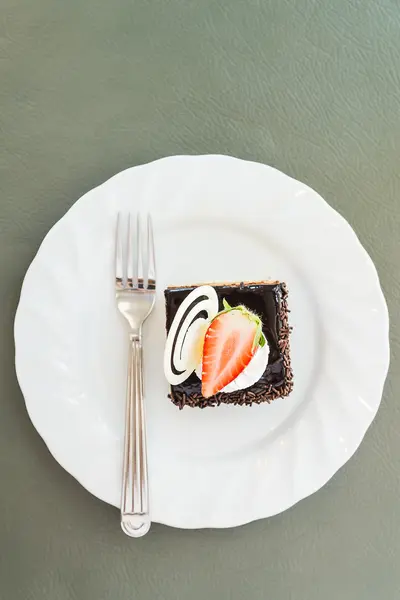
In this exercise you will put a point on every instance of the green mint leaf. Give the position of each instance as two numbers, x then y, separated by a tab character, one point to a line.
226	305
262	341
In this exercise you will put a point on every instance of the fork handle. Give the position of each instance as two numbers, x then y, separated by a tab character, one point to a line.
135	516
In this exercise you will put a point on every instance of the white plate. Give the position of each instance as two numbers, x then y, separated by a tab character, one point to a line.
215	218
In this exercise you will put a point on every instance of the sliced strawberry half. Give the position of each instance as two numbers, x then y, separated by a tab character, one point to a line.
229	345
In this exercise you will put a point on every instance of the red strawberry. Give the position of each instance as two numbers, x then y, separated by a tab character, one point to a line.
229	345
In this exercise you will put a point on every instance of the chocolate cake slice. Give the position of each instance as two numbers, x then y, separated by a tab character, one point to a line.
263	306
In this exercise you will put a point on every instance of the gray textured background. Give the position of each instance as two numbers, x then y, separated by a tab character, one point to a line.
90	87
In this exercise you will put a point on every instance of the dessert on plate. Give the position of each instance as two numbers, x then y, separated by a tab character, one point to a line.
227	343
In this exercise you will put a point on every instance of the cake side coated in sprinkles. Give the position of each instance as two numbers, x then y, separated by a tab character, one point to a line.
227	343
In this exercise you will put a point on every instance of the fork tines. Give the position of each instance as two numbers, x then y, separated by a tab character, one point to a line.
134	254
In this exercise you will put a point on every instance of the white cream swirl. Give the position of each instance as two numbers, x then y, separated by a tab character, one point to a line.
182	352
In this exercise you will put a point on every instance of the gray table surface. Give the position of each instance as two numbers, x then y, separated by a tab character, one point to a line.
90	87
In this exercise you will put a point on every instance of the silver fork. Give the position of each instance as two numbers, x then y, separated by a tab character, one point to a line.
135	288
